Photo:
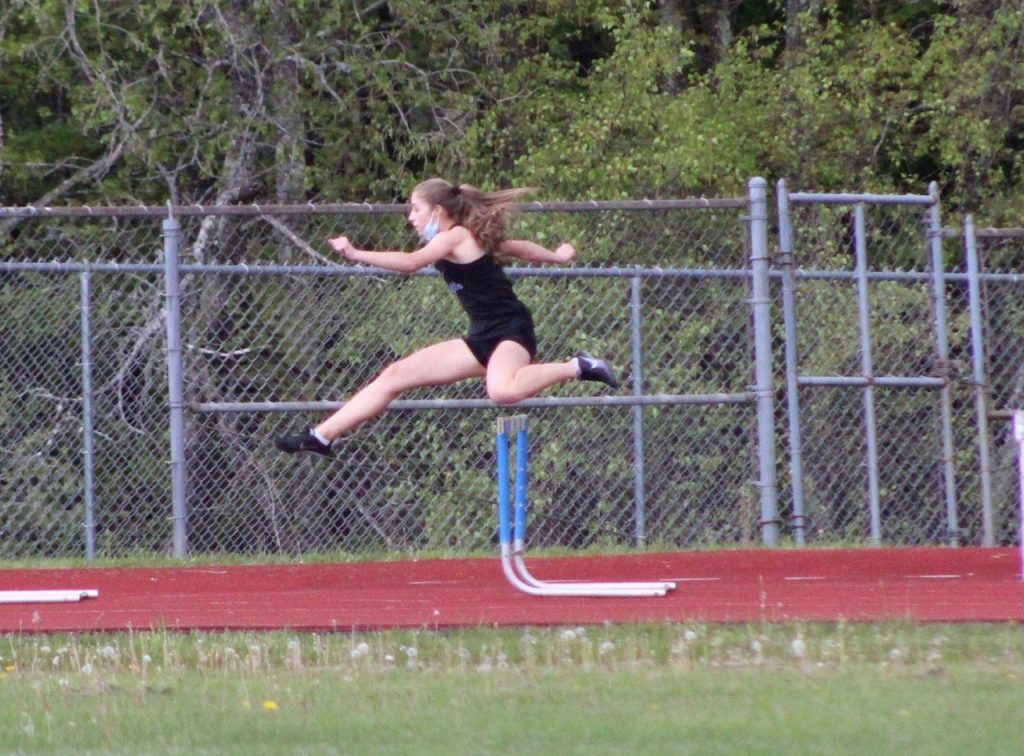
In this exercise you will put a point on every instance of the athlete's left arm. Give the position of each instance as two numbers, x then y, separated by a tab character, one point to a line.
533	252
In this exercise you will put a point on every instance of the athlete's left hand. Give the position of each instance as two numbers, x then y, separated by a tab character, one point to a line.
565	253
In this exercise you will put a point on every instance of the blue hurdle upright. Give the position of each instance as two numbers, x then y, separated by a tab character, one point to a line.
513	546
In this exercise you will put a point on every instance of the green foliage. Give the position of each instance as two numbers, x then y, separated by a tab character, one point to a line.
604	98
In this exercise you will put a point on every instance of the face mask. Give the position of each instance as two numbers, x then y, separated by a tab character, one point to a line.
431	229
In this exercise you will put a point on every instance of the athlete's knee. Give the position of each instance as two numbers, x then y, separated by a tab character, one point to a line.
503	394
394	378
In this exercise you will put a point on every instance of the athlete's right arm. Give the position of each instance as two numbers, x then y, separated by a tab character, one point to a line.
403	262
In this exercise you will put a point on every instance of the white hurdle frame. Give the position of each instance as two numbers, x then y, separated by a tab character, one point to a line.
1018	436
514	548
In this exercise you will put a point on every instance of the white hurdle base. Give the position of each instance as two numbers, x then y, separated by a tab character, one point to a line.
514	567
513	547
46	597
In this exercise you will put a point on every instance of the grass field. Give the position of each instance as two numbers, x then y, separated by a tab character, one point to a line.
840	688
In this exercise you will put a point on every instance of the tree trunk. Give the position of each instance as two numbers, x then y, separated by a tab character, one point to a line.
286	112
795	9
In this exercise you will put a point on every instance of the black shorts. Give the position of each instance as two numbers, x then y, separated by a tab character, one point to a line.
483	345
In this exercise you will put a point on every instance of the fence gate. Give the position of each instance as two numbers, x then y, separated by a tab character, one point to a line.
997	363
868	391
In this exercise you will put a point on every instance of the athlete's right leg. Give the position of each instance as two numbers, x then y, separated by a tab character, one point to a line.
436	365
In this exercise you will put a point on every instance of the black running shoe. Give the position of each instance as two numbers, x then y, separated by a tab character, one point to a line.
304	441
594	369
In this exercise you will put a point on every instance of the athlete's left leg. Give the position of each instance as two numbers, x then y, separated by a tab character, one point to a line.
511	377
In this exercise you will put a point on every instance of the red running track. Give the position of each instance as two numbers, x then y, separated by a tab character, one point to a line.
918	584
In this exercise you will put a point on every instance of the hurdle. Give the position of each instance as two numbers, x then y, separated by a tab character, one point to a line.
513	546
1018	436
47	597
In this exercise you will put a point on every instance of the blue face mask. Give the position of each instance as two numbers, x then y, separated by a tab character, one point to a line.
431	229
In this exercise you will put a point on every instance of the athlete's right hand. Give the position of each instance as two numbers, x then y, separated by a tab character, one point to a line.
341	245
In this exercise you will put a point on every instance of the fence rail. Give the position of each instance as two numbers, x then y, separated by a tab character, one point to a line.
169	344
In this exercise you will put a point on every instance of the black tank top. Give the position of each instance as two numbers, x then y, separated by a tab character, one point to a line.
485	293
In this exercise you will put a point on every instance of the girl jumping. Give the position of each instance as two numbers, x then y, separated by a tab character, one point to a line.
464	231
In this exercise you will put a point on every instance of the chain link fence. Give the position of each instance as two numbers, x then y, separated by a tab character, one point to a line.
275	331
995	255
269	322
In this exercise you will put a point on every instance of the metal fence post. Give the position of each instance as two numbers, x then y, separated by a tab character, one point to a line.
935	233
787	263
175	384
980	381
764	388
636	318
87	424
867	367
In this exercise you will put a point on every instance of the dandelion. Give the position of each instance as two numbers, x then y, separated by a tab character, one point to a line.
294	658
269	705
568	635
605	648
689	636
